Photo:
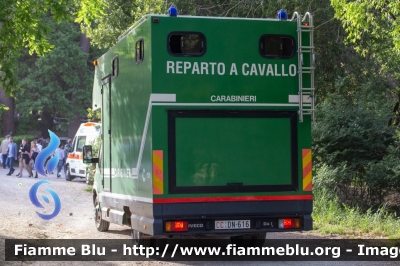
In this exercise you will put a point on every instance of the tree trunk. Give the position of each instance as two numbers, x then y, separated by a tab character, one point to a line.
7	119
85	46
47	123
84	43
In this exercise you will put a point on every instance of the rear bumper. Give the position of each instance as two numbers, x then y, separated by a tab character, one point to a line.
202	217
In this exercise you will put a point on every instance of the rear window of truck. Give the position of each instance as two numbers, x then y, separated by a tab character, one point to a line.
186	43
277	46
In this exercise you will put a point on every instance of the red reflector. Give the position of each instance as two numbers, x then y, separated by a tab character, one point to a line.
156	20
179	226
305	24
287	223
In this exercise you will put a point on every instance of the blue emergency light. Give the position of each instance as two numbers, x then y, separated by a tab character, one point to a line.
173	11
282	15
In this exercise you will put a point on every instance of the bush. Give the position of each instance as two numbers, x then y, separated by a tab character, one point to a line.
18	139
26	125
332	217
356	153
91	168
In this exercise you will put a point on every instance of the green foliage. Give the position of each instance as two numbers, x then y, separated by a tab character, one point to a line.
22	24
94	116
89	189
91	168
356	152
2	109
373	28
104	20
26	124
89	11
57	84
378	19
18	139
332	217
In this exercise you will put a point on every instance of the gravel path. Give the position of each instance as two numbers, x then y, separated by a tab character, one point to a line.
75	220
18	219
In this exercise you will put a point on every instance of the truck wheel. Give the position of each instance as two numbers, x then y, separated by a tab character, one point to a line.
88	181
68	175
101	224
140	239
160	242
258	240
242	241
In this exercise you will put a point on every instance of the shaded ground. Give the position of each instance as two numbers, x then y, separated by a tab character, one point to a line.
19	220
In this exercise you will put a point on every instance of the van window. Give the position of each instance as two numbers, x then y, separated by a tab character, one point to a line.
186	43
277	46
115	67
81	143
139	51
74	145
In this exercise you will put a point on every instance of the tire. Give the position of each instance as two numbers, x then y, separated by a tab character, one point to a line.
138	238
258	240
253	240
101	225
242	241
160	243
68	175
88	181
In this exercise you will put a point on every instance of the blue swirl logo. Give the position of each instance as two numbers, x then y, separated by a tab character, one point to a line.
35	201
45	153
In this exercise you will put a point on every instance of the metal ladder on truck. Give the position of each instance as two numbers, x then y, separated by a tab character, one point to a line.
306	65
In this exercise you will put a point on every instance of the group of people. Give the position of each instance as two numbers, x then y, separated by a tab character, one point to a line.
26	155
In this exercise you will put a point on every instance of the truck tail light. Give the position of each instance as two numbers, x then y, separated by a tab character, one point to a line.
176	226
287	223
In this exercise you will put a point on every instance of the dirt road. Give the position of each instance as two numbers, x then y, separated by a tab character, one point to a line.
75	220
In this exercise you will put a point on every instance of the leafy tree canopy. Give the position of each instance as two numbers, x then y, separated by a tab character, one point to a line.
104	20
58	83
373	28
22	25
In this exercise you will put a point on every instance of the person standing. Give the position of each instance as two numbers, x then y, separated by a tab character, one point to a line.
20	163
4	147
67	150
45	143
25	157
12	154
34	153
39	145
61	155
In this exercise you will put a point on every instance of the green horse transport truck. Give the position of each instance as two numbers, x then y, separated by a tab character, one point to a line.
206	127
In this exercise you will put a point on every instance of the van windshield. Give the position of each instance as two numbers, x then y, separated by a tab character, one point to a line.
81	143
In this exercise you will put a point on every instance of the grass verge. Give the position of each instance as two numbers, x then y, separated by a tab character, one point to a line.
331	217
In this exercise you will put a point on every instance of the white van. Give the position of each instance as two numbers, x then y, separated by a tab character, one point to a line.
85	135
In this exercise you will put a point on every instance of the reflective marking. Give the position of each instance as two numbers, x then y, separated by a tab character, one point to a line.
295	99
229	104
158	97
307	170
158	174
